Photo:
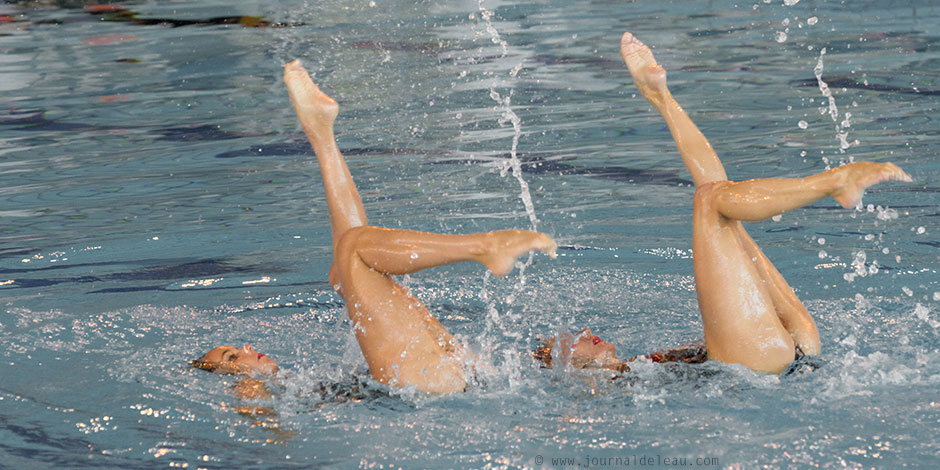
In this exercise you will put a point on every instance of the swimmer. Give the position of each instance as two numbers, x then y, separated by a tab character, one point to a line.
402	343
253	370
231	360
750	314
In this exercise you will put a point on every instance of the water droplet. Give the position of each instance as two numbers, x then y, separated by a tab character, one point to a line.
777	218
821	241
414	255
921	230
780	36
823	254
907	291
803	125
812	20
790	3
921	311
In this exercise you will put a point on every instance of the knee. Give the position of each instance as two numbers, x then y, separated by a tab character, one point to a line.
345	252
708	192
348	244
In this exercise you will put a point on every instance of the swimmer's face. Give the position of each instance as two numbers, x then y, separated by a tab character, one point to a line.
588	350
245	360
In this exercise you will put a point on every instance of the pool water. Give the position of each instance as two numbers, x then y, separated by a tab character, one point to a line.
159	198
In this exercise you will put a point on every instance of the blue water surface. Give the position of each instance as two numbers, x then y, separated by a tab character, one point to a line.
158	199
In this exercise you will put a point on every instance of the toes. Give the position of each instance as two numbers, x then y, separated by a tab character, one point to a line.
629	44
627	39
892	172
548	246
294	66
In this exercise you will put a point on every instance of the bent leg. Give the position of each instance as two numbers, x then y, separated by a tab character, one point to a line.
745	302
401	341
763	198
738	310
395	251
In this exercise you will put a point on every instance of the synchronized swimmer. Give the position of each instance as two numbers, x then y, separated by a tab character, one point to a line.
750	315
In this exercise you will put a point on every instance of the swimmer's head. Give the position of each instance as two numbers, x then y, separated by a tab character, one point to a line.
582	350
232	360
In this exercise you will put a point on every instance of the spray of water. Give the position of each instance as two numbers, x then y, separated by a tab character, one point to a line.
503	101
841	133
504	106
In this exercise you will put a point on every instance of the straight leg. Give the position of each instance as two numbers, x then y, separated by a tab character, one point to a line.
316	112
650	78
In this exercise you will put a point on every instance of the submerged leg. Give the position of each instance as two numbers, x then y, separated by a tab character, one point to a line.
401	341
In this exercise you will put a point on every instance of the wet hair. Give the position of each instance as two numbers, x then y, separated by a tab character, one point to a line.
543	353
205	365
212	366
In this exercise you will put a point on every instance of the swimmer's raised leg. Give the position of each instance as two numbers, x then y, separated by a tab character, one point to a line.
725	280
316	112
751	315
650	78
401	341
738	311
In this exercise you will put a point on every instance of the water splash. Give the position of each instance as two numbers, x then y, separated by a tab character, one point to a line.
841	134
507	323
504	105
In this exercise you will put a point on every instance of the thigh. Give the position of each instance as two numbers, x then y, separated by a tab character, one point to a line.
401	341
790	310
741	324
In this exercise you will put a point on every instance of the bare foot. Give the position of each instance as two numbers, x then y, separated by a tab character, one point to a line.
858	176
316	110
648	76
507	245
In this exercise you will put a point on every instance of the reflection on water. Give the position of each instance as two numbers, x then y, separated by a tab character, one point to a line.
158	199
